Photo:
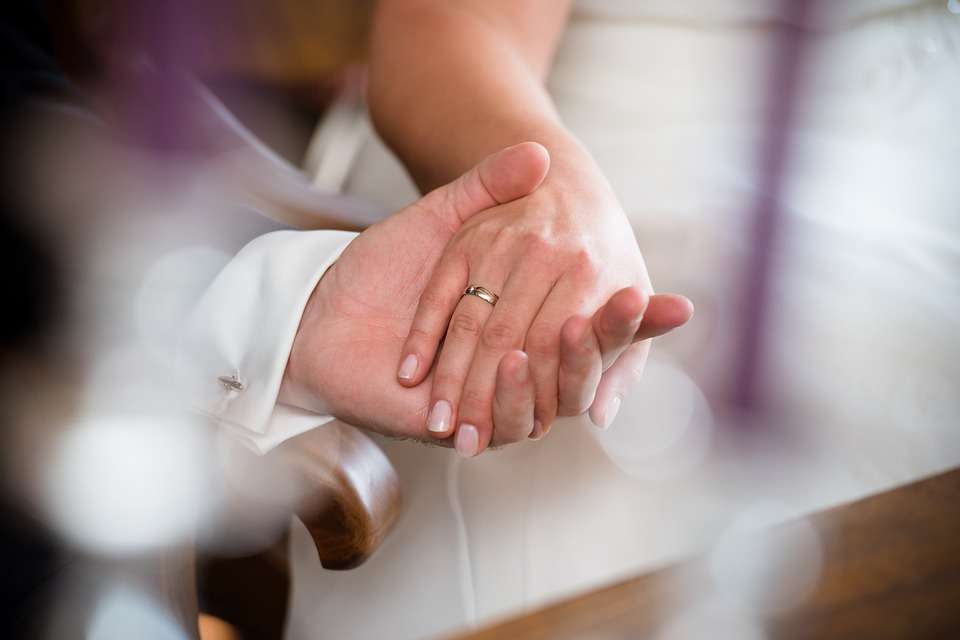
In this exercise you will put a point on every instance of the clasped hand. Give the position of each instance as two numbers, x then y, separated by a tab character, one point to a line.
489	374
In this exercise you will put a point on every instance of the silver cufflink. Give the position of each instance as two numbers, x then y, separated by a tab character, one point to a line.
232	383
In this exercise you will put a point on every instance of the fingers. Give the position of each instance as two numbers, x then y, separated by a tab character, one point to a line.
629	316
585	344
506	175
453	364
451	368
665	312
579	383
616	322
616	381
505	330
514	400
580	367
430	321
542	344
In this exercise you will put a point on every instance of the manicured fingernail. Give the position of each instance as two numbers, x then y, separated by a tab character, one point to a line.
408	367
613	408
439	418
537	432
468	440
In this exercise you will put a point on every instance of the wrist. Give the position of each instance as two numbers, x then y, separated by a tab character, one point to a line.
576	186
293	391
573	165
298	387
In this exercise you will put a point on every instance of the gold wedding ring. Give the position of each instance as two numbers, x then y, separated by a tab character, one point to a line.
484	294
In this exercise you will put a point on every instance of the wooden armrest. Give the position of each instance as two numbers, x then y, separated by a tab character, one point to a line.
335	479
348	494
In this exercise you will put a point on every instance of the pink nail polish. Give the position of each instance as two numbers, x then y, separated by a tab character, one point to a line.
439	419
408	367
468	440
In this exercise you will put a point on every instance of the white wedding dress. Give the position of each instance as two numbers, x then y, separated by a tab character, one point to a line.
861	358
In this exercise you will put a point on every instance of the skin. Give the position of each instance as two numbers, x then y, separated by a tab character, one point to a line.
359	314
450	82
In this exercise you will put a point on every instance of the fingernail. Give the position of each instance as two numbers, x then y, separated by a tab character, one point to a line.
613	408
537	432
408	367
468	440
439	419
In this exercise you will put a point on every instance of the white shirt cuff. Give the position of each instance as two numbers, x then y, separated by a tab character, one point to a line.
238	338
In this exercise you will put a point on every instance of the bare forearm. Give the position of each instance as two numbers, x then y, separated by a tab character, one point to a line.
452	82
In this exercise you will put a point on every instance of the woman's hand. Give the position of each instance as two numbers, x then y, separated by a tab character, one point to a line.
561	251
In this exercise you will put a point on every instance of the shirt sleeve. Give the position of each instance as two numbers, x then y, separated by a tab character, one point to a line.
237	339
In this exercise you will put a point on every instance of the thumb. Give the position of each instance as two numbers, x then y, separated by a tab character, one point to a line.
506	175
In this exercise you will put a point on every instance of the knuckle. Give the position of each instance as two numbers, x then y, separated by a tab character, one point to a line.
419	335
543	341
465	326
585	264
575	353
538	244
503	238
474	404
433	301
500	335
511	240
447	380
